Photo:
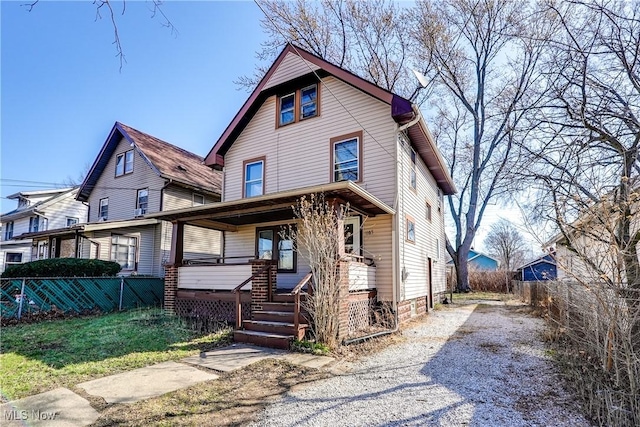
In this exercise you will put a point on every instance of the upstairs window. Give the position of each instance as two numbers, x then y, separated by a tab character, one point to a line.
34	223
142	201
411	230
71	221
198	199
103	211
428	211
346	157
299	105
124	163
413	176
8	231
253	178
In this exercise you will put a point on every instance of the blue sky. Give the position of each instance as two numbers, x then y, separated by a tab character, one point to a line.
62	88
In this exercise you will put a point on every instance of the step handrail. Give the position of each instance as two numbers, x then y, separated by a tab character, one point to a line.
296	295
237	289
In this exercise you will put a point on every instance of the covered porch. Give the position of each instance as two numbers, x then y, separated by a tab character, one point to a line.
236	281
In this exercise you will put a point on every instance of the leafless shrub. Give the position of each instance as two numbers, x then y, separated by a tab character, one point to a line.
317	236
488	281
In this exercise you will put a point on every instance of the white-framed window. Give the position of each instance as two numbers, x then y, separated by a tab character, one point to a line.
124	163
410	229
123	251
71	221
413	180
11	258
253	178
8	230
34	224
142	200
103	210
198	199
428	211
346	152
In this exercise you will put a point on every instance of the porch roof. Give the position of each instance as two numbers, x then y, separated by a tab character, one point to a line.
272	207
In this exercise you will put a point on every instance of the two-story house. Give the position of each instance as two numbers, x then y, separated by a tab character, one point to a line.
37	211
136	174
312	127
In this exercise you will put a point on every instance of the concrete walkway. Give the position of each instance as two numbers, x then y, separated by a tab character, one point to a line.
63	408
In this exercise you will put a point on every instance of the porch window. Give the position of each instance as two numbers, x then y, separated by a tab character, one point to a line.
142	201
103	211
346	157
8	231
34	223
352	235
411	230
124	163
413	175
13	258
254	178
270	244
123	251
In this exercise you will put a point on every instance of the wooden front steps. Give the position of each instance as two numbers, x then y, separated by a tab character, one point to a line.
273	326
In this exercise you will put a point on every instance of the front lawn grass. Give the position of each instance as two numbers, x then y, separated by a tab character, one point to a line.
62	353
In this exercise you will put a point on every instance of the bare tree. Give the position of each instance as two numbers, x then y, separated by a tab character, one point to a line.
368	38
507	244
586	166
482	58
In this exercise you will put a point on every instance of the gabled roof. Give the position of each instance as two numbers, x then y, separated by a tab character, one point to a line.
546	259
55	195
402	111
166	160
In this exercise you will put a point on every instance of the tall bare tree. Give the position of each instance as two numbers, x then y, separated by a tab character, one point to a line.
506	243
482	57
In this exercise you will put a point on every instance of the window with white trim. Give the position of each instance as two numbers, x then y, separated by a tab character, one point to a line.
411	230
8	231
34	224
253	178
123	251
299	105
346	158
103	210
124	163
142	200
13	258
198	199
71	221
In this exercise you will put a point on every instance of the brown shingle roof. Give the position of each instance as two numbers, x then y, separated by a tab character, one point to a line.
175	163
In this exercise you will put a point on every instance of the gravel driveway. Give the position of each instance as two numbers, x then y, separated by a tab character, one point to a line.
472	365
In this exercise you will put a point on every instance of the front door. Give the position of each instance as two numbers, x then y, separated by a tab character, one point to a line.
352	235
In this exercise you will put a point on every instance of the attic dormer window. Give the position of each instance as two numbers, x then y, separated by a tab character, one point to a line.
299	105
124	163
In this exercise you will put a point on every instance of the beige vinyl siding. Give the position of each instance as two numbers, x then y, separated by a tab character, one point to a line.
146	261
214	277
122	190
66	207
199	243
292	66
298	155
242	243
177	197
377	241
414	257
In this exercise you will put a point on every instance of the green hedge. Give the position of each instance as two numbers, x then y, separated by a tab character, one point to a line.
63	267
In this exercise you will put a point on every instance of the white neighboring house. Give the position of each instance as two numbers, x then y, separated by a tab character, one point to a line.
38	211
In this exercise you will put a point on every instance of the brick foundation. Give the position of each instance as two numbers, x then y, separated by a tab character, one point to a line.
404	309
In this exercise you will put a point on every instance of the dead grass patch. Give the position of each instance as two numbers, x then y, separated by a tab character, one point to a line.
236	398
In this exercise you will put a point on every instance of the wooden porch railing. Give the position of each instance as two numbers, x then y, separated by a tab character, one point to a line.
296	294
237	289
